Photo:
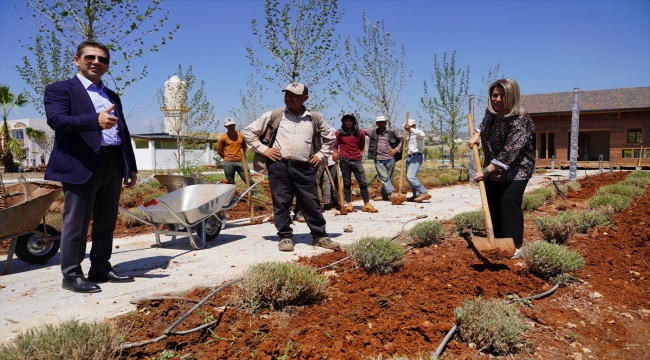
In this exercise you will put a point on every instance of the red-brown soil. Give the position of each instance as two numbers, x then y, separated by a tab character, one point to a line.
603	314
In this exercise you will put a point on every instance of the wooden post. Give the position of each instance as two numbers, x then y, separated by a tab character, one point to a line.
248	185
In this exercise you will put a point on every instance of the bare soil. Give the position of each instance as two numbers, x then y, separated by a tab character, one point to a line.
603	314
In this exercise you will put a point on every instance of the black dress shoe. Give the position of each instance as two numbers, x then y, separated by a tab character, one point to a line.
80	284
111	276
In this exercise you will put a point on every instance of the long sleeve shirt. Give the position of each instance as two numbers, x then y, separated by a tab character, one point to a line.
294	136
415	142
508	143
350	146
229	149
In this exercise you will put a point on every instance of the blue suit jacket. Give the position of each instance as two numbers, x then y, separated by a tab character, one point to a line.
77	136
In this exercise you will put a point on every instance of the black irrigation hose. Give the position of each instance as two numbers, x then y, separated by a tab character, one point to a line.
455	327
558	190
168	331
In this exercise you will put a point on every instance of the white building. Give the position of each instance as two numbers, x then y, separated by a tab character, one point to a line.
31	150
159	151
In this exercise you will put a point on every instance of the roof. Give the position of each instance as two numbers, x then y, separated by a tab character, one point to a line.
591	100
165	136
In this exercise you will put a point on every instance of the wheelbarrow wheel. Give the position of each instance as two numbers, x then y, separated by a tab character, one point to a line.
212	228
33	249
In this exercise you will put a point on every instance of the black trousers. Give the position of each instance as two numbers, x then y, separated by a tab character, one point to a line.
98	197
299	180
349	167
232	167
504	200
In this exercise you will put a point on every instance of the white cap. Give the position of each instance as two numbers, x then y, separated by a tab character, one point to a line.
229	121
381	118
297	88
410	122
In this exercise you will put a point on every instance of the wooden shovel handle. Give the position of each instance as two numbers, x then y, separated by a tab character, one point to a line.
401	176
486	210
248	184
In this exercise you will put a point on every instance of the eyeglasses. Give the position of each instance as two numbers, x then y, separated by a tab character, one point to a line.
88	59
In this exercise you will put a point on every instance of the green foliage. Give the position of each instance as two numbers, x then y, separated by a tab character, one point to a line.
571	336
214	178
640	174
592	218
376	254
122	25
452	86
445	179
620	189
154	195
615	201
545	193
550	259
68	340
130	222
373	73
9	101
154	184
468	221
532	202
427	232
571	186
492	325
558	228
278	284
635	181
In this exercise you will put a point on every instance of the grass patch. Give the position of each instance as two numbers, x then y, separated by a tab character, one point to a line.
639	174
615	201
493	325
153	195
68	340
130	222
550	259
531	202
427	233
557	228
468	221
276	285
545	193
620	189
376	254
445	179
633	181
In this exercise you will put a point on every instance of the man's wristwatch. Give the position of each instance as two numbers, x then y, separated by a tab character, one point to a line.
485	171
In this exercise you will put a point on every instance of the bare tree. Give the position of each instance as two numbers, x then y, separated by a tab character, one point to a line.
301	48
189	116
452	87
374	74
481	99
252	104
62	24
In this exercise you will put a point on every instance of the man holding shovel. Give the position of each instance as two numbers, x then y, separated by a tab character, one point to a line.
383	146
415	145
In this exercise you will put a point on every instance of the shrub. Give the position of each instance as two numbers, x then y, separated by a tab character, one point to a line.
634	181
427	233
130	222
532	202
640	174
620	189
615	201
550	259
445	179
68	340
129	199
493	325
376	254
155	184
571	186
592	218
278	284
545	192
559	227
468	221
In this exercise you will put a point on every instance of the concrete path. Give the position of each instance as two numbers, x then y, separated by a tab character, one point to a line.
31	295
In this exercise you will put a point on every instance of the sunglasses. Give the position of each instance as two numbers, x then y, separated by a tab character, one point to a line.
89	59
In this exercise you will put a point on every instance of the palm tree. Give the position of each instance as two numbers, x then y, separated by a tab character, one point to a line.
9	101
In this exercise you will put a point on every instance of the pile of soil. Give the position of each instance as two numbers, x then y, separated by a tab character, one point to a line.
603	314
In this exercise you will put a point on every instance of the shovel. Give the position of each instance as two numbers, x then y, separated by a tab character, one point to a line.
343	210
396	198
482	244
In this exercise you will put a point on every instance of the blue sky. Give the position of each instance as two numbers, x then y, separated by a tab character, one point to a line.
546	45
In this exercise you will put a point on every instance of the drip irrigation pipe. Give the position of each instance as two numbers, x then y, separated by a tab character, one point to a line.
455	327
169	332
559	192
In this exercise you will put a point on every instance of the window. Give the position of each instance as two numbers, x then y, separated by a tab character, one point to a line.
17	134
627	154
159	144
141	144
634	136
544	145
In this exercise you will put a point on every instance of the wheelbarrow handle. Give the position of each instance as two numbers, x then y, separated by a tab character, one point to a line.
235	201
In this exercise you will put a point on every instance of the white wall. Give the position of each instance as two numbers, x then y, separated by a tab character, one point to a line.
163	159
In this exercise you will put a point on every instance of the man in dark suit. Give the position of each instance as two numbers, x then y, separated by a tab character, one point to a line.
92	154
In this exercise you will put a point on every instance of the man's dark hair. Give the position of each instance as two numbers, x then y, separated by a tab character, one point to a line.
94	44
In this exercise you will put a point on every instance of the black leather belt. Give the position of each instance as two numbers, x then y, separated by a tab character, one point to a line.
110	148
417	153
295	163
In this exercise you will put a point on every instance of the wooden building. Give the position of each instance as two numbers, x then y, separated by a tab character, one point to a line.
613	123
